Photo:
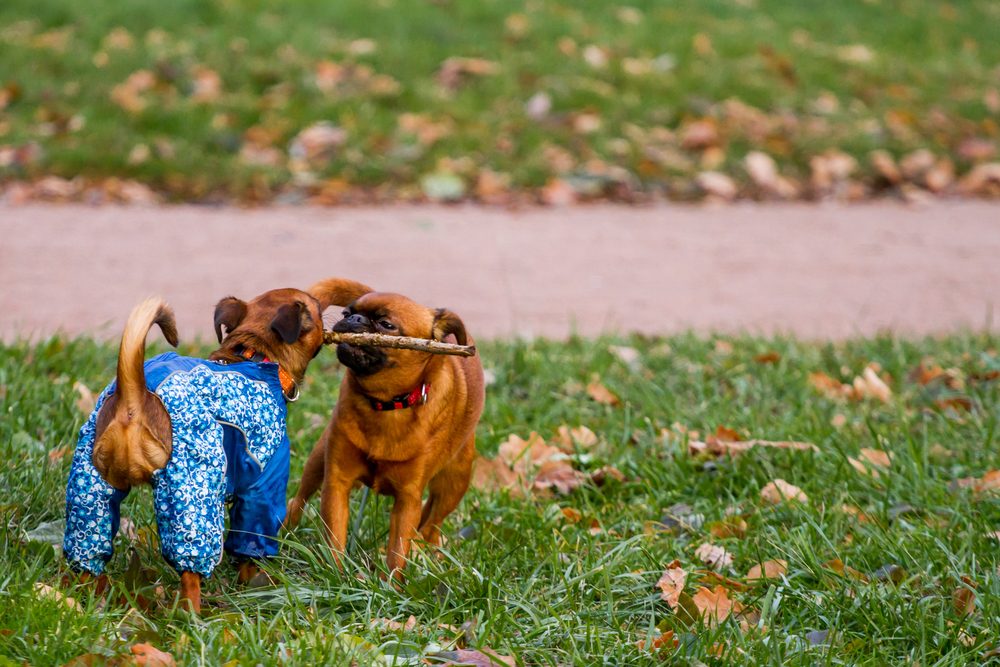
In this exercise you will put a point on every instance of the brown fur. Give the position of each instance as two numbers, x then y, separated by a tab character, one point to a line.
133	437
399	453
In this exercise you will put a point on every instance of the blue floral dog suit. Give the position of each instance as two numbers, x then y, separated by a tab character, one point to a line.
229	445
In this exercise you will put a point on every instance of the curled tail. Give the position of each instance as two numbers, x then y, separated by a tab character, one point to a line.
133	429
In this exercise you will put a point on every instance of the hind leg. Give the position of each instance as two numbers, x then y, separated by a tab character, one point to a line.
446	490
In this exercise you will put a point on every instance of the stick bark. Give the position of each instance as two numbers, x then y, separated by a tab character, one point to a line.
399	343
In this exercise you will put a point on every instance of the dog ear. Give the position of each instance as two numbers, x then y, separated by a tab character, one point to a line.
229	313
337	292
290	321
447	322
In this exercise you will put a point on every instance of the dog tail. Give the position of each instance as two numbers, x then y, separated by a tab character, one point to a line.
135	441
131	388
338	292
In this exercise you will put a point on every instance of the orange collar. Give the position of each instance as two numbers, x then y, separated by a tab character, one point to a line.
288	386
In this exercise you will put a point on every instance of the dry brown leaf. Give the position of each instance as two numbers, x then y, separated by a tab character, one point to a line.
394	626
86	400
989	483
714	556
493	475
600	393
206	85
558	475
870	385
716	447
828	386
671	583
571	514
47	592
602	474
714	605
779	491
876	457
710	578
733	526
59	453
769	569
150	656
661	642
557	192
836	565
963	598
481	658
455	71
568	439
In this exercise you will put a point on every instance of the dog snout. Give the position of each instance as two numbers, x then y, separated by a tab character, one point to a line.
356	323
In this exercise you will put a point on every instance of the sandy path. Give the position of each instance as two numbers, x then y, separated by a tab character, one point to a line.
817	271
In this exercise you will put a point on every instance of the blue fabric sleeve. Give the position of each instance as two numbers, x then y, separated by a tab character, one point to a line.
92	505
259	505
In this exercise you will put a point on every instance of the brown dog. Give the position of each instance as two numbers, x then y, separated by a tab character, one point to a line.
198	431
405	422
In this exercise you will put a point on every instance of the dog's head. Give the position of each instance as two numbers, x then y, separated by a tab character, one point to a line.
286	325
394	315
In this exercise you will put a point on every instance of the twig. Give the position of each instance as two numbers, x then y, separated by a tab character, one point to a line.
399	343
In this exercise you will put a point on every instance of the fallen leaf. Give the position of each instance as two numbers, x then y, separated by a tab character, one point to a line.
779	491
206	85
470	658
671	583
456	72
59	453
876	457
572	515
601	475
315	146
714	605
493	475
44	591
150	656
836	565
558	475
768	358
394	626
661	642
569	439
557	192
713	446
870	385
828	386
86	400
629	356
600	393
963	598
769	569
714	556
733	526
717	184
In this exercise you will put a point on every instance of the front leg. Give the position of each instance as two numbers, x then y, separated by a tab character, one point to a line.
334	510
191	590
403	522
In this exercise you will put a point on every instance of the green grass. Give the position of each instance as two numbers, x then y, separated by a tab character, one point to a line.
540	588
924	81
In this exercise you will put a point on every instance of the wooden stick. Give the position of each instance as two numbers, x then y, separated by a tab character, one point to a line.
399	343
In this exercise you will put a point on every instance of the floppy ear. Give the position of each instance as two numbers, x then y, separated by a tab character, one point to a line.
288	323
229	313
337	292
447	322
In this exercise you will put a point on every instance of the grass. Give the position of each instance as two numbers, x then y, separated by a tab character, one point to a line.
855	75
539	587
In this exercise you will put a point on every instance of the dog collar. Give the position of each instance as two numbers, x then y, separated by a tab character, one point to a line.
416	397
288	386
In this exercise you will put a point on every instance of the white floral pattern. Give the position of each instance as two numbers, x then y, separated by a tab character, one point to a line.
204	400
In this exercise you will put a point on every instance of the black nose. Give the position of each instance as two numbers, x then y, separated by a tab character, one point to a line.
357	319
356	323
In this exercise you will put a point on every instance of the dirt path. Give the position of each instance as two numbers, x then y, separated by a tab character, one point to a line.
817	271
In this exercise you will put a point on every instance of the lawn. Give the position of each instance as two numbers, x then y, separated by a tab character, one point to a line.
503	101
890	559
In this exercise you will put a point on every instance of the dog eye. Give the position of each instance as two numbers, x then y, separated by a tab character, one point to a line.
386	324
